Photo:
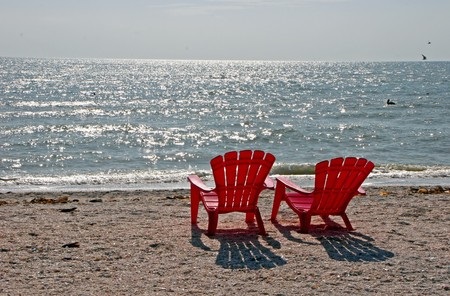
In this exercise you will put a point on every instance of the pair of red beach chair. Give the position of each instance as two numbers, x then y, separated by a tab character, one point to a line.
240	176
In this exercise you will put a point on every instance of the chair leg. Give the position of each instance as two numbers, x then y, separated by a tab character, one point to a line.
213	220
305	221
325	218
347	222
249	217
260	222
195	200
280	190
328	221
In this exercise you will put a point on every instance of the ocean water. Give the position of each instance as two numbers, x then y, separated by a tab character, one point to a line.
92	123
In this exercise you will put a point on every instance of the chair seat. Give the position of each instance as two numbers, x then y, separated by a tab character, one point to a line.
210	200
299	202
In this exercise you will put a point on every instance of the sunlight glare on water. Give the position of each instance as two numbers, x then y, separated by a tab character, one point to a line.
156	121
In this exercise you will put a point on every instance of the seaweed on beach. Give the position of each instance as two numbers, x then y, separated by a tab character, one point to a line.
43	200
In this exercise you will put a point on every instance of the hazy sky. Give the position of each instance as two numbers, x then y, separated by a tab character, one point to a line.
304	30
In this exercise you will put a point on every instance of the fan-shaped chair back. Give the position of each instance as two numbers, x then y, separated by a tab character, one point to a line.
239	177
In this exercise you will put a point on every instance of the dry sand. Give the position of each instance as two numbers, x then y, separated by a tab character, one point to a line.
142	243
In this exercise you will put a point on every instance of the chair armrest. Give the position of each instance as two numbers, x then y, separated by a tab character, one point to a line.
197	182
361	191
289	184
269	184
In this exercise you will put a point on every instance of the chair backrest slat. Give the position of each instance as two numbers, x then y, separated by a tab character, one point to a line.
239	177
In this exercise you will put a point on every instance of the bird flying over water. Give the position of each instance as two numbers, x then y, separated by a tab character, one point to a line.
424	57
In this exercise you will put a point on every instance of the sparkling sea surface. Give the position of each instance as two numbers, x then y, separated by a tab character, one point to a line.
90	124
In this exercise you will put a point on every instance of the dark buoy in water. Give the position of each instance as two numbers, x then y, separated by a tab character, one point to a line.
389	102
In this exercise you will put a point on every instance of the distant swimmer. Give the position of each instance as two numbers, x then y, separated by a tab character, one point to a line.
389	102
424	57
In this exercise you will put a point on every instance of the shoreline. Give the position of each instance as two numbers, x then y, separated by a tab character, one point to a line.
306	181
141	242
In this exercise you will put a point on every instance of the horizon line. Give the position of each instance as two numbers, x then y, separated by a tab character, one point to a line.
220	59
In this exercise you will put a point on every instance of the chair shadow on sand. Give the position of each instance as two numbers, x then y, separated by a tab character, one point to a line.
340	244
352	247
241	249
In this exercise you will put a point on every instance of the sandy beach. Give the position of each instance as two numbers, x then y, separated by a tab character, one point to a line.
142	243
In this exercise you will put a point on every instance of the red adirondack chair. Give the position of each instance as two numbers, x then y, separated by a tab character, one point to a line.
337	181
239	178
